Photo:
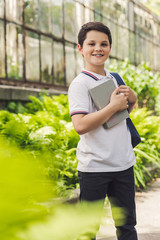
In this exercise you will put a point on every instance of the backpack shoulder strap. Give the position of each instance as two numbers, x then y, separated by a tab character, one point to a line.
118	78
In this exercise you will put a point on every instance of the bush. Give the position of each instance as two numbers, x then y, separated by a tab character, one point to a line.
45	128
48	131
148	151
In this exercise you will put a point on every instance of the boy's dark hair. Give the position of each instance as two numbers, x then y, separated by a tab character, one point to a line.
97	26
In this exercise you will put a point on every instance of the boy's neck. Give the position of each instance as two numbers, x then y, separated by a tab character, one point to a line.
98	70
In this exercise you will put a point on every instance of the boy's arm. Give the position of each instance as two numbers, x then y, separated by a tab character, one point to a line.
131	96
84	123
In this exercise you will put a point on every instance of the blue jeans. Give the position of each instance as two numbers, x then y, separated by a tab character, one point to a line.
120	189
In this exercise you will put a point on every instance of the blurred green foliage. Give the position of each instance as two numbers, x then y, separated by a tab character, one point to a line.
29	206
24	188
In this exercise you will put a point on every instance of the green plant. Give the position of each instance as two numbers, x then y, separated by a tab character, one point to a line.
13	68
29	205
147	152
45	129
23	188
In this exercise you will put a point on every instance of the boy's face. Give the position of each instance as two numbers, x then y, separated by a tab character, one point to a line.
96	49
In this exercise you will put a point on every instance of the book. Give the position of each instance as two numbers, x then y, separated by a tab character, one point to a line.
101	97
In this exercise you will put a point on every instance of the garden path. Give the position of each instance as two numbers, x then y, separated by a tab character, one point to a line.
148	216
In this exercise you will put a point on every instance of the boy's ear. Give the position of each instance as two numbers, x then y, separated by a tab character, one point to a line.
110	49
80	49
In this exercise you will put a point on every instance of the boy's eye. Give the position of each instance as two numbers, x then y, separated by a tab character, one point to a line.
105	44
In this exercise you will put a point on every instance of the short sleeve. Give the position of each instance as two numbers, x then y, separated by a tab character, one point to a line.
78	96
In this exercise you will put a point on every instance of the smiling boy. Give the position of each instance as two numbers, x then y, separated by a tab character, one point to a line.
105	156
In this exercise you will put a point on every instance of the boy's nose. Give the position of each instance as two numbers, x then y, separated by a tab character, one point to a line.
97	47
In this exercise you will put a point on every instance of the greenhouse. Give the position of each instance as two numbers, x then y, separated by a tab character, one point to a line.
38	38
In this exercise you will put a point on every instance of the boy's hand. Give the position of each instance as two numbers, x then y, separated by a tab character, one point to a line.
127	91
119	100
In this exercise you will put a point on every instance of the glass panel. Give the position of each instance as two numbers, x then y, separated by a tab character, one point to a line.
138	48
89	15
105	7
70	63
106	22
146	50
31	13
119	43
156	58
150	53
121	7
158	33
2	8
80	16
97	17
14	51
45	15
13	10
97	5
123	42
70	20
150	28
113	28
46	59
89	3
131	19
81	1
2	53
132	47
143	51
57	17
108	8
32	56
58	63
79	62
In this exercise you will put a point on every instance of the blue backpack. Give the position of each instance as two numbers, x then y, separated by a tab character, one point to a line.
134	133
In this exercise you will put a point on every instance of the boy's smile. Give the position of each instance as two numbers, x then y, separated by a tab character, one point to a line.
96	49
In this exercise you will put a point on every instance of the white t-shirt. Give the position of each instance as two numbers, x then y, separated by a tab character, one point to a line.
100	150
